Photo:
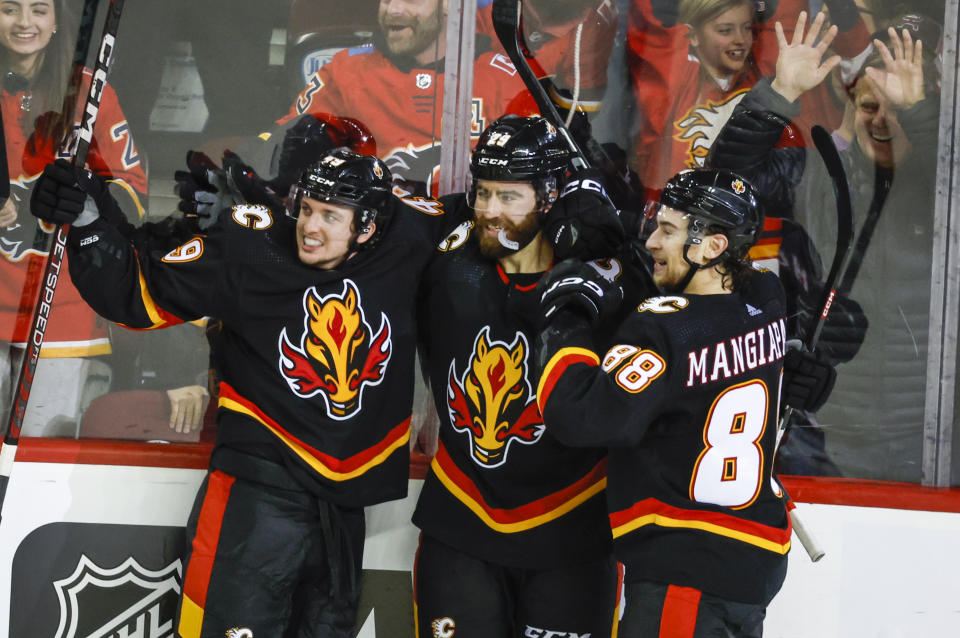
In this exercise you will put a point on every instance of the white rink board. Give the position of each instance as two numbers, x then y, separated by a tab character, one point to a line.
887	573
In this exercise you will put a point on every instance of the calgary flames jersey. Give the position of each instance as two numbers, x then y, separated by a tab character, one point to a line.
317	365
689	398
402	107
74	330
682	109
500	487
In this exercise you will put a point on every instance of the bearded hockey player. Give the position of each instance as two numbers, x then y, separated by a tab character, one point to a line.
689	403
514	538
317	362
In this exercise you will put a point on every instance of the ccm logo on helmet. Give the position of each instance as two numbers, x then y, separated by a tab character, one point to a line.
493	161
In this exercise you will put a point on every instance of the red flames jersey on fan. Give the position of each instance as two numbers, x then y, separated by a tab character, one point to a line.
402	108
687	402
682	109
553	44
74	330
500	488
317	365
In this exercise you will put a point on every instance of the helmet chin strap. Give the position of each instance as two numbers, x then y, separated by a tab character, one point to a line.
692	270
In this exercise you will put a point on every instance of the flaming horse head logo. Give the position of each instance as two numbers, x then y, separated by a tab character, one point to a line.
492	401
338	354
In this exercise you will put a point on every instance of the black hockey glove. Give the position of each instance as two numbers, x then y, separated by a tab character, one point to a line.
242	180
843	331
61	194
581	288
304	143
201	189
583	223
808	379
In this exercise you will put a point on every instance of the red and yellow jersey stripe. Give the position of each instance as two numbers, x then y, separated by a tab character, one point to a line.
563	359
326	465
650	511
523	517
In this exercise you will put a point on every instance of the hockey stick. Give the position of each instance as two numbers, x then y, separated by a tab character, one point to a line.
841	190
506	24
882	182
52	270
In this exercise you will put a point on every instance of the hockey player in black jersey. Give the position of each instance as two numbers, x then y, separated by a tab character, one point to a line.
514	539
317	359
686	400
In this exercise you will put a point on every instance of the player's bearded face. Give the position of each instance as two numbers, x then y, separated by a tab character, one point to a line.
666	245
325	233
410	26
507	217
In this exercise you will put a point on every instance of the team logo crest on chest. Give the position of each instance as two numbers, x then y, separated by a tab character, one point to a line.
424	80
338	354
492	401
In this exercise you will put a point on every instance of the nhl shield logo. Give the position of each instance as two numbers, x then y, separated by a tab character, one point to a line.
424	80
126	600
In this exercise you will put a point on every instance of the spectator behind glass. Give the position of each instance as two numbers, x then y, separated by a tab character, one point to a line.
395	88
691	63
874	418
550	29
37	38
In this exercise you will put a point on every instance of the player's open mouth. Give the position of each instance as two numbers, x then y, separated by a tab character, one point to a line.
312	243
881	138
24	36
737	54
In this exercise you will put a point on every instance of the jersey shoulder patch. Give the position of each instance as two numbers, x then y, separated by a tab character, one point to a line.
664	304
252	216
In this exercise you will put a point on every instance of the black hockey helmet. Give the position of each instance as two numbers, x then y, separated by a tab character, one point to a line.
343	177
521	149
717	201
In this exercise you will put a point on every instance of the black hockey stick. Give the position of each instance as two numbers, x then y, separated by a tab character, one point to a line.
841	190
52	271
883	182
506	24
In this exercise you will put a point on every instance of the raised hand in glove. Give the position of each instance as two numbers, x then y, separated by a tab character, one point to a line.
583	222
303	144
808	379
244	181
201	189
574	285
65	194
